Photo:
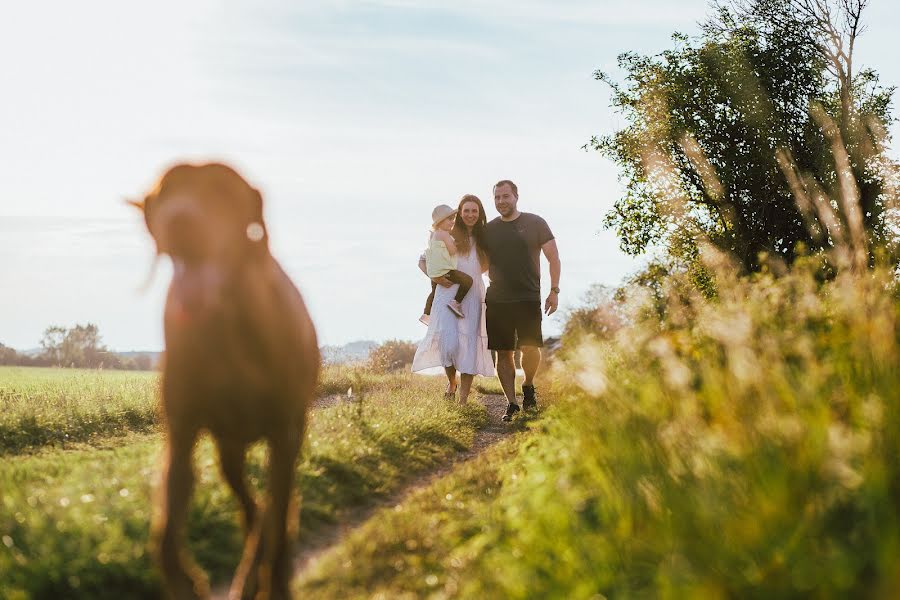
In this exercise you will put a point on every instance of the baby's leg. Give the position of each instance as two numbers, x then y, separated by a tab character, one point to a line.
430	299
465	283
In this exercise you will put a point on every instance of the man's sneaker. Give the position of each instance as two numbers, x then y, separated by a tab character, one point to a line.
511	409
530	400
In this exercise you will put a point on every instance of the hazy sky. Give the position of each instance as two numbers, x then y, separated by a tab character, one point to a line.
354	118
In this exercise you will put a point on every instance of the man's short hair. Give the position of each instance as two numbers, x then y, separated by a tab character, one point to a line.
515	190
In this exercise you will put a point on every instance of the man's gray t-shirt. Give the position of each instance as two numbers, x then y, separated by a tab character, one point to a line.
514	248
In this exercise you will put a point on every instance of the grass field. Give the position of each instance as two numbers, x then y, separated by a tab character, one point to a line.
67	407
40	407
74	523
746	446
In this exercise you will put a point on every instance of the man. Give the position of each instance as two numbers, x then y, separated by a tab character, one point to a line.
514	243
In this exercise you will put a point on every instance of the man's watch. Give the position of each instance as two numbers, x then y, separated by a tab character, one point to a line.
555	290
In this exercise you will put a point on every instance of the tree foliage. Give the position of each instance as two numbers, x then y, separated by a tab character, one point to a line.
392	355
724	131
80	346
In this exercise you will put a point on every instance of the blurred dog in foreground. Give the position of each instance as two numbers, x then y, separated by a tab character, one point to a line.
241	362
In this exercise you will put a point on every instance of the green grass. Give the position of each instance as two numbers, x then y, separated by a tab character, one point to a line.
74	524
42	407
747	446
489	385
422	547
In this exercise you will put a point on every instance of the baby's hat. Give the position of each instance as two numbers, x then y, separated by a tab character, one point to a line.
441	212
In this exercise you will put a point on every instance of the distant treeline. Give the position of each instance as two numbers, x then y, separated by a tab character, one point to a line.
77	347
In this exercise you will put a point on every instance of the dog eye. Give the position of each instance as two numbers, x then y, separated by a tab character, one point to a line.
255	232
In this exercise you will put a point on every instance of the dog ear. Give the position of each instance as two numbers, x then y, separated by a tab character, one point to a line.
147	205
143	206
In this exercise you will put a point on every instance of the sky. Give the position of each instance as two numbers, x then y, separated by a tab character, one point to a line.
354	119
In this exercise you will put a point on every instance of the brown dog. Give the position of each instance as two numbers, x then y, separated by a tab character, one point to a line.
241	362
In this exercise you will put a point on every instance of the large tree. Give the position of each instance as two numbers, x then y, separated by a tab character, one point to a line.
52	344
740	138
79	346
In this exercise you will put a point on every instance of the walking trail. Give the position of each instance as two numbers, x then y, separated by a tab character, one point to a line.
313	546
316	545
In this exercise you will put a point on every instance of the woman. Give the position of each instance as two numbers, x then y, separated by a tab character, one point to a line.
460	345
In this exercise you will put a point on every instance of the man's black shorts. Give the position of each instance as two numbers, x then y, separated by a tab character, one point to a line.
513	324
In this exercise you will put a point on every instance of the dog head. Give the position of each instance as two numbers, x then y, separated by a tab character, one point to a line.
208	220
205	215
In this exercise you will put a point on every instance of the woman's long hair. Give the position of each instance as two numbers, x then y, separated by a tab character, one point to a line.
461	232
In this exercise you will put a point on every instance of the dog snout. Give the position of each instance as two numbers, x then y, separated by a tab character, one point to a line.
184	236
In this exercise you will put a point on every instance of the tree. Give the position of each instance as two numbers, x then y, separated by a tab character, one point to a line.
8	356
82	346
142	362
599	315
833	28
52	344
830	27
391	356
726	131
79	346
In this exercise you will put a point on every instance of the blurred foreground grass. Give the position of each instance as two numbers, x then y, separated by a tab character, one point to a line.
74	524
746	446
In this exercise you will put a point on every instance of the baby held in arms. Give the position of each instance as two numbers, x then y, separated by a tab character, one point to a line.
440	260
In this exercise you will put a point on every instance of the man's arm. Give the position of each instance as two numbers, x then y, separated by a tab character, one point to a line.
552	253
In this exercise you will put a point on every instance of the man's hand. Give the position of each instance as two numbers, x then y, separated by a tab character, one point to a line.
552	254
551	304
442	281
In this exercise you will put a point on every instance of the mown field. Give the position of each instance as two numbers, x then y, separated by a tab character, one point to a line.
80	460
744	446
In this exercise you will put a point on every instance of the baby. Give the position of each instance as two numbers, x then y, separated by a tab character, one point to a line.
440	260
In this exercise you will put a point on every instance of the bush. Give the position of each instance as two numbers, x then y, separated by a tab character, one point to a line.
392	356
745	446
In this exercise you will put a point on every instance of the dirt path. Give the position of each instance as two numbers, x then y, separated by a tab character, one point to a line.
314	545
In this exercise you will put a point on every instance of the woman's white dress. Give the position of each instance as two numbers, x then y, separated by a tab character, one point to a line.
454	342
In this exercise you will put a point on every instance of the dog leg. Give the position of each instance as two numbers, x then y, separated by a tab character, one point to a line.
181	577
282	515
245	584
232	458
265	570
